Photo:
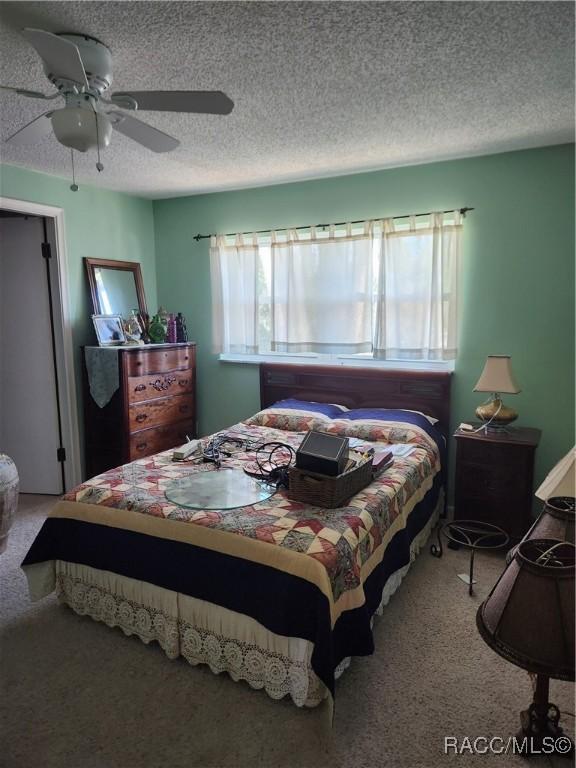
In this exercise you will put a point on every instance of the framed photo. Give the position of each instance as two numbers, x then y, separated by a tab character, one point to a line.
109	330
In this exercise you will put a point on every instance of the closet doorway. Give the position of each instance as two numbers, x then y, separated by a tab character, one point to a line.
38	420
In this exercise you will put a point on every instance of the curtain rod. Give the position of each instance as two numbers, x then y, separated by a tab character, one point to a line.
462	211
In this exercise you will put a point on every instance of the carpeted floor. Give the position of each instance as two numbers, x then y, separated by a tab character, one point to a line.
77	694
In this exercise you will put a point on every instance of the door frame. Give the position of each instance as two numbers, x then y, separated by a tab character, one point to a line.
62	316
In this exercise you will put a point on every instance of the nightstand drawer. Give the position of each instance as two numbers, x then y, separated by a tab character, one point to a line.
485	454
475	478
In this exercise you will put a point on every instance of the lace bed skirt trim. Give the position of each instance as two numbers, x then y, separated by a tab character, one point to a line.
201	632
204	633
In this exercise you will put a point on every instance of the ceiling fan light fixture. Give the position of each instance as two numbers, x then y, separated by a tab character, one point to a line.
76	128
80	66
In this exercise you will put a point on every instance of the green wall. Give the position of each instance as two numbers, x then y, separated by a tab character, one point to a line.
517	277
98	223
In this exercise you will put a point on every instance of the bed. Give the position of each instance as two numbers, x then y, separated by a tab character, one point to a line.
278	594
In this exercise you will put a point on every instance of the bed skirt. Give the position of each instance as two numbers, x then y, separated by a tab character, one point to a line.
205	633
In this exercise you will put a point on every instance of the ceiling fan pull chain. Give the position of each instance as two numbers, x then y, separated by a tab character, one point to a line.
73	186
99	166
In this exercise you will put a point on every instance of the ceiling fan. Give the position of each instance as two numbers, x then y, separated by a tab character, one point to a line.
80	67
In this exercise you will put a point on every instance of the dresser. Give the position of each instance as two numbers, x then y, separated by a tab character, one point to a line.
137	401
494	478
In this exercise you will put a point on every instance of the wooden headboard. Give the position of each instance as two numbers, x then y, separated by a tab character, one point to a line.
426	391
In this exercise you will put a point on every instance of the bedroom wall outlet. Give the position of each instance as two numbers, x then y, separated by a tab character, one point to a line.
185	450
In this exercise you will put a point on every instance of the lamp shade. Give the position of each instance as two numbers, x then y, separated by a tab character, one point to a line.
560	481
556	521
497	376
528	618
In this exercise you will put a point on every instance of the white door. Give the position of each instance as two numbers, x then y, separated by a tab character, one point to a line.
29	431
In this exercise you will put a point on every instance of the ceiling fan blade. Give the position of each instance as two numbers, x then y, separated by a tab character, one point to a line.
143	133
61	56
25	92
33	131
208	102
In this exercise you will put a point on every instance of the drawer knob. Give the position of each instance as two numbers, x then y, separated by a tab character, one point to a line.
140	388
141	446
183	382
141	417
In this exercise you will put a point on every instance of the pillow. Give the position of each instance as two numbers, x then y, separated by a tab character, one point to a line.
331	410
387	425
385	414
431	419
297	415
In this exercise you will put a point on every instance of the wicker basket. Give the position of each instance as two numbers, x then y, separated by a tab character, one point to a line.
325	491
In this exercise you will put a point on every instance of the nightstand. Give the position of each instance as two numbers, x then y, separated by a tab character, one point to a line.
494	474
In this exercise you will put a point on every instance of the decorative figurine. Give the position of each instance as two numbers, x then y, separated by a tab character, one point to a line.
162	315
133	329
171	329
157	331
181	332
144	320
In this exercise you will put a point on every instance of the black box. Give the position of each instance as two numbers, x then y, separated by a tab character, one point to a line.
322	453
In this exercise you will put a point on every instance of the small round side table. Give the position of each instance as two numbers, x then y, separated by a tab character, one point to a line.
474	535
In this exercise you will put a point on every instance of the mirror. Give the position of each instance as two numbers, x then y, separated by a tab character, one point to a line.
116	287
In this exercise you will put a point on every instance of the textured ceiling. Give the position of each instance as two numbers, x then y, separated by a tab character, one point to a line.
320	88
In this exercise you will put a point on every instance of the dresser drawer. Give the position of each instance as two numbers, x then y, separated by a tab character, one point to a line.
144	361
151	386
153	413
149	441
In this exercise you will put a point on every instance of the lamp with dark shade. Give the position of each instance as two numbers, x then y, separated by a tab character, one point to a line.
496	377
556	521
528	619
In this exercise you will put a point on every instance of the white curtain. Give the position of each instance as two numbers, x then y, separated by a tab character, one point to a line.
417	293
322	292
387	288
235	300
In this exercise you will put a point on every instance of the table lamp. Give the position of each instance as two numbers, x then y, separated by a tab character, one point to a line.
528	619
496	377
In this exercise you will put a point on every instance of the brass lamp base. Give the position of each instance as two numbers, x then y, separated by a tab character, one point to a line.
496	412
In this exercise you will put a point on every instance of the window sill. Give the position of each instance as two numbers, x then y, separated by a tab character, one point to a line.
311	359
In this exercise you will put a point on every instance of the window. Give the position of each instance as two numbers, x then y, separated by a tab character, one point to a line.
379	290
